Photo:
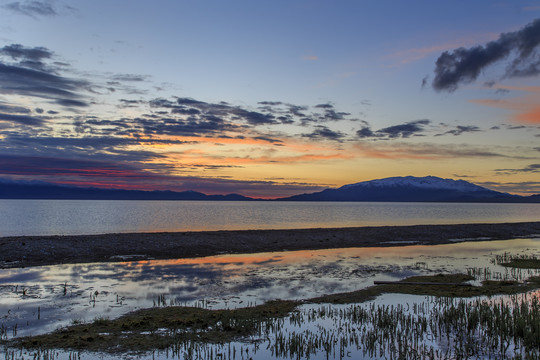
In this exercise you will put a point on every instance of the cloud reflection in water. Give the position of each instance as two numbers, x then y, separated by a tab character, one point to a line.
83	292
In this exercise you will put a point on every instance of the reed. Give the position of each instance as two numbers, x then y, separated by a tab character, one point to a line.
523	261
431	327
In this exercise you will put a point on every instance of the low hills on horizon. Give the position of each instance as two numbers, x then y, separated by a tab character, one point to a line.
394	189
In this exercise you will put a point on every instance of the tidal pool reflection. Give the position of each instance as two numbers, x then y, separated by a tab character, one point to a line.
40	299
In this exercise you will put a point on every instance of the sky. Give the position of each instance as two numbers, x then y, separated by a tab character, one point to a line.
269	98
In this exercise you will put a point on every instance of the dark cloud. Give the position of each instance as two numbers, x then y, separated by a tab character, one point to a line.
129	77
163	103
39	83
424	82
69	167
436	151
40	165
271	103
302	115
525	187
99	148
131	103
365	132
465	65
12	109
254	118
185	111
31	8
84	171
332	115
405	130
208	125
71	103
190	101
323	132
27	57
460	130
87	143
31	71
297	110
324	106
411	128
463	176
22	119
268	139
532	168
209	115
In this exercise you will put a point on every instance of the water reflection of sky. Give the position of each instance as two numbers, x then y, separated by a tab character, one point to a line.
40	299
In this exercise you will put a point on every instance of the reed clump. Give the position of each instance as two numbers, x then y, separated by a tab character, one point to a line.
158	328
447	324
523	261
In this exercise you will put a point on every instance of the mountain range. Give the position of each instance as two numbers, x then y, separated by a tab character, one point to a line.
413	189
394	189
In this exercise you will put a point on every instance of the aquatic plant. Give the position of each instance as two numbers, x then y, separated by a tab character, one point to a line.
434	327
523	261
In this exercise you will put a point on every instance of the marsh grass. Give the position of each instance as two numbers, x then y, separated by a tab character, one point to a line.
440	327
525	261
159	328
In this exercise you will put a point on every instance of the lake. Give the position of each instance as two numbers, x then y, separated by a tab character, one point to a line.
40	299
83	292
77	217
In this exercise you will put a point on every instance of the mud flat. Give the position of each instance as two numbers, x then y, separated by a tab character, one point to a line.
48	250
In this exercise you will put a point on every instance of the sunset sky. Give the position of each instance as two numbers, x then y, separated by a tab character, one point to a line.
269	98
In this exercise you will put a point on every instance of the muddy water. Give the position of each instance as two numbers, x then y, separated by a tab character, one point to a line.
40	299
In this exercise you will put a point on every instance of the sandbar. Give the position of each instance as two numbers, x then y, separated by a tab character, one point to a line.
24	251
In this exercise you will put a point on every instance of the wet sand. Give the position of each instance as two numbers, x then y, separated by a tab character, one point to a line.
22	251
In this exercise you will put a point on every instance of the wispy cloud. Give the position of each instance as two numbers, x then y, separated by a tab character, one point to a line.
531	168
427	151
407	56
22	119
91	173
32	8
461	129
524	107
27	74
518	187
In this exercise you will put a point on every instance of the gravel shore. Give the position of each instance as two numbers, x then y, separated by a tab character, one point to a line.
22	251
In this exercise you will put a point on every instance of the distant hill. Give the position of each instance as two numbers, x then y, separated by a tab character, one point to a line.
413	189
395	189
51	191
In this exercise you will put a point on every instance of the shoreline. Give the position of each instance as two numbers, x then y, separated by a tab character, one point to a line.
23	251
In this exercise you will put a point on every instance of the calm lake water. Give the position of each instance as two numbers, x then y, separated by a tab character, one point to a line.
76	217
68	292
40	299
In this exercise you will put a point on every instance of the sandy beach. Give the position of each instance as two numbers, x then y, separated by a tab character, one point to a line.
25	251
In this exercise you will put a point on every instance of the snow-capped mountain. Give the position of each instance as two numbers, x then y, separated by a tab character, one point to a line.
427	182
410	189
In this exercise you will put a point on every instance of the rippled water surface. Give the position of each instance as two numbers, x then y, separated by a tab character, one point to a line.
71	217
